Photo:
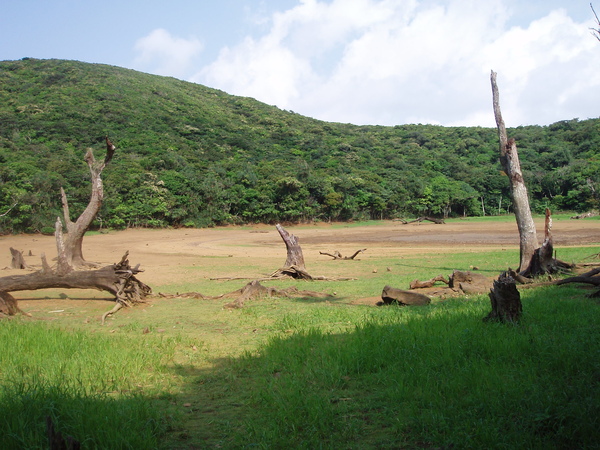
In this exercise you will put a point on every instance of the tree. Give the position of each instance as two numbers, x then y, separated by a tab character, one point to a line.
72	243
118	279
509	159
595	31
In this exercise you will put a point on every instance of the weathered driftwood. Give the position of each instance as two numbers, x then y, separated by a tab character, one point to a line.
416	284
252	290
458	283
591	277
542	261
338	255
73	241
585	215
506	301
117	279
294	263
469	282
391	296
17	260
421	219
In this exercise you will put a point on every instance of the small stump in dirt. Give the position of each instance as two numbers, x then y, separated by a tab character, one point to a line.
506	301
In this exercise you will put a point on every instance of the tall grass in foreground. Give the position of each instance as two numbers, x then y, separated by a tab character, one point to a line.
435	376
93	387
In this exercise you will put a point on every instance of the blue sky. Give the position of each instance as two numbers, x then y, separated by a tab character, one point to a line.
383	62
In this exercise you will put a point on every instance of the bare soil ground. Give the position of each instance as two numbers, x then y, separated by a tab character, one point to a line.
166	255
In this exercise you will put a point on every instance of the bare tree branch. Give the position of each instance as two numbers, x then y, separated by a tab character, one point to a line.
595	31
8	210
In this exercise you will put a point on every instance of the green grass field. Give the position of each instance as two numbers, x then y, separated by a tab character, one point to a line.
313	373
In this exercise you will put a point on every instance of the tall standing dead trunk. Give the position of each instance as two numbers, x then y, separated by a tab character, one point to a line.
509	158
294	263
73	241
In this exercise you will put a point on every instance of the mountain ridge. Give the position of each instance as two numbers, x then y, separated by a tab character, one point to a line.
190	155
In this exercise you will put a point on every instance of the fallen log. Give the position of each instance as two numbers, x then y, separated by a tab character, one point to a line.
421	219
591	277
394	296
117	279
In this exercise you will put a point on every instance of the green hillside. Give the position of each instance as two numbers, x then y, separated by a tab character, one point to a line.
188	155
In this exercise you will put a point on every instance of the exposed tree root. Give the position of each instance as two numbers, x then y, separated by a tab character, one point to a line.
115	308
251	291
416	284
338	255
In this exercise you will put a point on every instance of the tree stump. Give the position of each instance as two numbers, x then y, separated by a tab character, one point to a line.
17	261
294	263
506	301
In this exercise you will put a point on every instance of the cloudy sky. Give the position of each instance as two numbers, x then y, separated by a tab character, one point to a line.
383	62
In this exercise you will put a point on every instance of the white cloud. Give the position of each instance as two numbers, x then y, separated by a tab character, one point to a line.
401	61
163	54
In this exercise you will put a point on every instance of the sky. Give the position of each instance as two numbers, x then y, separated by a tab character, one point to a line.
375	62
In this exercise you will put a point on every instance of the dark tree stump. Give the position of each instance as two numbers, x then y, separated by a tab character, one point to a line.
17	261
506	301
56	440
393	296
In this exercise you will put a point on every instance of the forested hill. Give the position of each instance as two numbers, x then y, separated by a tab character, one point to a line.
188	155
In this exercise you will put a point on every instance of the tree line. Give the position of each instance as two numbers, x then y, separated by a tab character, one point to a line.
194	156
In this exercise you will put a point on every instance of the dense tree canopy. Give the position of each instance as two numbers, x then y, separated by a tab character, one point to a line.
189	155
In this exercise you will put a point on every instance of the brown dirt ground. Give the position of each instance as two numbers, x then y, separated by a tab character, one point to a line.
163	253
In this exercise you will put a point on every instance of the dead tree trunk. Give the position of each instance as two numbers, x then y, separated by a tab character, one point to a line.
117	279
17	261
512	167
294	263
506	301
73	240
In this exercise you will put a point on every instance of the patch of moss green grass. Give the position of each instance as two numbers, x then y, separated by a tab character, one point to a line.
100	389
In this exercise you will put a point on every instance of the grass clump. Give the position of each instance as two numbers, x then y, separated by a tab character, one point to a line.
97	389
